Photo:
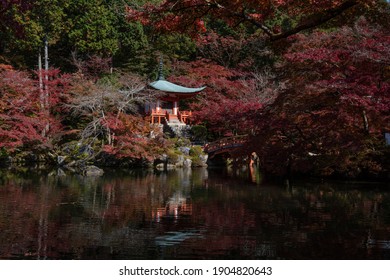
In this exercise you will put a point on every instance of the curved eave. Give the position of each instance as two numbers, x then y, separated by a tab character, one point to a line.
171	87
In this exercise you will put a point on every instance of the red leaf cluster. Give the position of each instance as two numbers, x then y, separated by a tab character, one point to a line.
232	99
133	138
336	105
22	120
187	15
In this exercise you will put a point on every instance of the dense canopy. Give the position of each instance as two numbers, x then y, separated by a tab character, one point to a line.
305	83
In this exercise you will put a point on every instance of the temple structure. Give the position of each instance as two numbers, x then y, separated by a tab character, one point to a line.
166	110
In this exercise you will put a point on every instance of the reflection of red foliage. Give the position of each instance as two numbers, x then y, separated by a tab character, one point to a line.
116	213
25	223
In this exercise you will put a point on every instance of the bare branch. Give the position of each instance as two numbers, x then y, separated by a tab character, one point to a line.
104	99
261	87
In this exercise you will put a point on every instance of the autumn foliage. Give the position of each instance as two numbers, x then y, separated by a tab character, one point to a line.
231	101
306	82
336	106
133	138
22	121
107	113
277	19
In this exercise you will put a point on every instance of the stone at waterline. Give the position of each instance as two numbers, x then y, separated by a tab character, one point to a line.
92	170
161	166
187	163
171	166
180	161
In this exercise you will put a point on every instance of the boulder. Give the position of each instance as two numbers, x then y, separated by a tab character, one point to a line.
160	166
179	161
187	163
92	170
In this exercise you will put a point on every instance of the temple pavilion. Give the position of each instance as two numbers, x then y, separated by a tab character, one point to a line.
166	110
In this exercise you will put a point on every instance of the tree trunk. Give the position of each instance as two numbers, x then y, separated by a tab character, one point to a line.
46	74
44	87
365	122
41	95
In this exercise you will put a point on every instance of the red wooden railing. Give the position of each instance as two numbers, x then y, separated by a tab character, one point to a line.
157	116
225	144
184	116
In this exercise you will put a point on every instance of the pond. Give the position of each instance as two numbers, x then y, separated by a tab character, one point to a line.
189	214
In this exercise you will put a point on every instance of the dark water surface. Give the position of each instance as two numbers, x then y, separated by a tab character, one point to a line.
190	214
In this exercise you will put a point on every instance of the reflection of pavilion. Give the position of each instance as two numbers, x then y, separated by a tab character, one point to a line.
166	109
176	206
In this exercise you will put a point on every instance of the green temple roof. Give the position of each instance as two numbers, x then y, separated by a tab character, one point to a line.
163	85
166	86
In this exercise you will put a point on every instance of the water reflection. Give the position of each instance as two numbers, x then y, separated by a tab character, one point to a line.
189	214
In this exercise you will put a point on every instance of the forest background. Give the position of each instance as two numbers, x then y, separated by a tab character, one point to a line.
306	82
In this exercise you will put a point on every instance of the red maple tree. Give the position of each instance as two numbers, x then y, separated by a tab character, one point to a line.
25	123
336	106
188	15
